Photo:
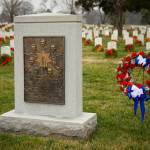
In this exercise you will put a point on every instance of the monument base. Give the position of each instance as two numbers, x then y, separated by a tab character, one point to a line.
80	127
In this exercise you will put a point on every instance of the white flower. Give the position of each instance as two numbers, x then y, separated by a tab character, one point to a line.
136	91
141	60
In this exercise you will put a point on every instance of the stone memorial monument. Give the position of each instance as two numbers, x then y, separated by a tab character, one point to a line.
48	78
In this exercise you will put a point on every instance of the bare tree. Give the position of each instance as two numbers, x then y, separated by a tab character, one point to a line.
11	8
71	4
47	6
26	8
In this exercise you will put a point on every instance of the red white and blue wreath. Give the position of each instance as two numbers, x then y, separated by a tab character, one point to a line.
139	93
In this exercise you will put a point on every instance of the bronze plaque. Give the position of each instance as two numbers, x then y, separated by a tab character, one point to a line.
44	70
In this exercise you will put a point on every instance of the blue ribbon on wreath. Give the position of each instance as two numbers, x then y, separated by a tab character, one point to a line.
139	100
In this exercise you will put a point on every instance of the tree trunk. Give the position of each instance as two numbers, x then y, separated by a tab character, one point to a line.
120	17
11	17
120	22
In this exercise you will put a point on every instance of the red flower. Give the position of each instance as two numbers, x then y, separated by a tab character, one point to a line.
124	83
148	83
128	59
141	53
132	66
148	71
134	37
12	49
148	39
130	83
98	48
134	54
125	66
6	61
139	85
122	76
128	78
88	42
138	42
109	52
129	47
118	69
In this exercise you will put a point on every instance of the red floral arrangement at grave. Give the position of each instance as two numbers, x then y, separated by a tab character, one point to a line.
134	37
87	42
138	42
99	48
148	40
136	91
5	59
111	53
129	47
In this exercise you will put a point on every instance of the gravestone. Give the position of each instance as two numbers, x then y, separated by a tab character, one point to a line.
89	35
129	41
135	33
148	46
148	33
48	78
112	45
98	41
140	37
5	50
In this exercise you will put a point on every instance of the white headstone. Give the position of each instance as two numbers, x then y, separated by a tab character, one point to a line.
106	32
140	37
135	33
12	43
96	33
98	41
112	45
89	35
114	37
148	46
148	33
125	34
83	34
129	41
5	50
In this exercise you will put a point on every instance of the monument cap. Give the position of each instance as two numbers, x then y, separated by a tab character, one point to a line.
48	17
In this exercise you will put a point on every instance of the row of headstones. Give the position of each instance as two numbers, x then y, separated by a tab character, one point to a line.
6	35
93	33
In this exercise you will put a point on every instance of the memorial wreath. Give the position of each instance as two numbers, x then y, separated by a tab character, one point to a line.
139	93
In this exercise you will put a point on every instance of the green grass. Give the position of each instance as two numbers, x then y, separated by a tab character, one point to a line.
117	127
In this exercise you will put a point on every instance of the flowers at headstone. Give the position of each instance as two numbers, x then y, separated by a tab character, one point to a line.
147	39
5	59
129	44
98	45
129	47
111	53
138	92
138	42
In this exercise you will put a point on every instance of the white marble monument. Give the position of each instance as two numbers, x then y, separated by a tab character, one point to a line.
46	119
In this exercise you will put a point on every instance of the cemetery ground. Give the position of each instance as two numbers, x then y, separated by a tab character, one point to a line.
117	127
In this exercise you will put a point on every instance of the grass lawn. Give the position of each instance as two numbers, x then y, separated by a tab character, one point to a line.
117	127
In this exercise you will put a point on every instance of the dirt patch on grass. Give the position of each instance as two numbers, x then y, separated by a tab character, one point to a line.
93	61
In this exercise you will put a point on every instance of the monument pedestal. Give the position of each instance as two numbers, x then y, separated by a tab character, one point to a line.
80	127
48	78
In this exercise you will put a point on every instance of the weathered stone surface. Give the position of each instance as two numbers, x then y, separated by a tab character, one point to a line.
80	127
